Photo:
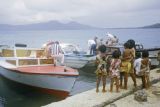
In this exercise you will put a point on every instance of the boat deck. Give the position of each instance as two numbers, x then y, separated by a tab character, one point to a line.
50	69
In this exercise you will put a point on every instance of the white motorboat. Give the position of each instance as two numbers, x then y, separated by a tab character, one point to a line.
74	57
28	66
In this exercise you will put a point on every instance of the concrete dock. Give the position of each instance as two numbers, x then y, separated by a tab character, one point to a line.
92	99
153	99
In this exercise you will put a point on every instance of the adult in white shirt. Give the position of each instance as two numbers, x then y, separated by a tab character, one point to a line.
92	44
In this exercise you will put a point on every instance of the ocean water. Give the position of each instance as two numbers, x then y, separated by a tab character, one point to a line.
148	37
18	96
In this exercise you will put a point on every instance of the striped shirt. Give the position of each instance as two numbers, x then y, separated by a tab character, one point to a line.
55	49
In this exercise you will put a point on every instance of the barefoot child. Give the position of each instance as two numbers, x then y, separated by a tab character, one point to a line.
145	69
115	69
101	71
133	52
125	65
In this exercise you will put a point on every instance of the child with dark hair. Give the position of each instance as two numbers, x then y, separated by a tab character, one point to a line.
132	43
125	65
138	55
132	46
101	72
128	53
145	69
115	70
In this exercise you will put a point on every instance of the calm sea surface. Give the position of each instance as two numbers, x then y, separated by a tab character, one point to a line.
20	96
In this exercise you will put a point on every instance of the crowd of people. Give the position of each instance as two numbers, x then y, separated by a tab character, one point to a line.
94	43
120	65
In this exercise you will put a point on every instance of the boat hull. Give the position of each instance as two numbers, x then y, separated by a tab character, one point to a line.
50	83
75	62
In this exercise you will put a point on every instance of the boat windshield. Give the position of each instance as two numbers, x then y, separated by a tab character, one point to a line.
69	49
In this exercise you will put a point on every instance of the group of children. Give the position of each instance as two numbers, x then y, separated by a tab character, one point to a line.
119	66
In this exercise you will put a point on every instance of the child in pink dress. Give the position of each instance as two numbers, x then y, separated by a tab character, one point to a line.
115	70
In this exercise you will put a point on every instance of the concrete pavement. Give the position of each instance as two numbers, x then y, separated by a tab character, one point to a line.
92	99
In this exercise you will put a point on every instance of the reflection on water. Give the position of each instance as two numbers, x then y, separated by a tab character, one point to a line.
84	82
17	95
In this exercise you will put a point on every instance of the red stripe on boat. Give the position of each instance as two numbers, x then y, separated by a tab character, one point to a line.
47	70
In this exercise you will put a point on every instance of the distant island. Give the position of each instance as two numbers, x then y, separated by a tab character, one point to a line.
55	25
157	25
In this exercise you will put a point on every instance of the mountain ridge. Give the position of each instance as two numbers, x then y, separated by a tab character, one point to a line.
56	25
51	25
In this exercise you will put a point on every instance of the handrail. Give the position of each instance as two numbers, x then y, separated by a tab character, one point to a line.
26	58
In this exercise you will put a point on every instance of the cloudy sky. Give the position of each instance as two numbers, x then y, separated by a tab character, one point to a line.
100	13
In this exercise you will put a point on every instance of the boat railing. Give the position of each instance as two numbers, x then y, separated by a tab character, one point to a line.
28	61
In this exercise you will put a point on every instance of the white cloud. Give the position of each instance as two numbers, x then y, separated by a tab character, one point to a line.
104	13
